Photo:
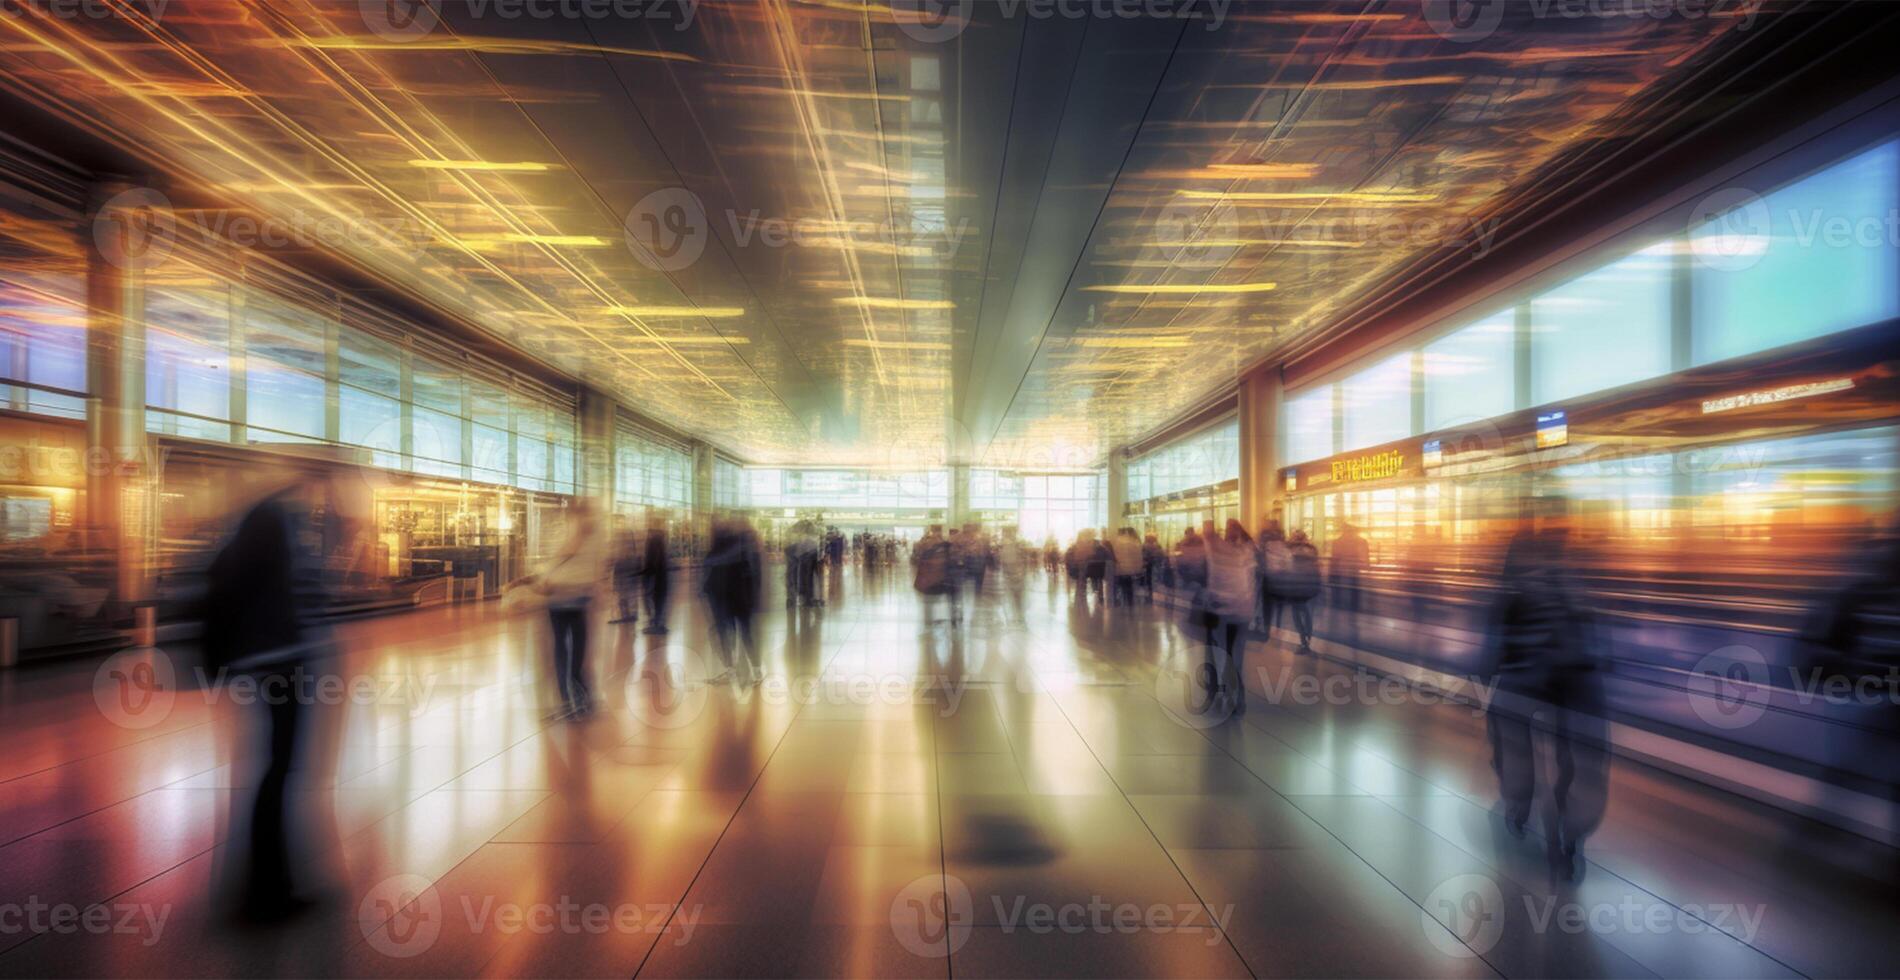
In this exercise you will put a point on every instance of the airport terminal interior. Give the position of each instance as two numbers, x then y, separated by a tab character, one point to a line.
949	488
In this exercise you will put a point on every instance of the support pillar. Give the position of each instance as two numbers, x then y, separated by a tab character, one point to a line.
130	233
1117	490
959	494
703	467
597	427
1261	395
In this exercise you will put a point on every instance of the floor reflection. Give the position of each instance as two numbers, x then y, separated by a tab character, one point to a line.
894	797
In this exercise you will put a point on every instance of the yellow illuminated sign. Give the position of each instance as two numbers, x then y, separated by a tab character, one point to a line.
1376	466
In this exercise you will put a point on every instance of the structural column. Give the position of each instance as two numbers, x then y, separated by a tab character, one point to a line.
704	466
597	449
130	231
1261	394
959	494
1117	490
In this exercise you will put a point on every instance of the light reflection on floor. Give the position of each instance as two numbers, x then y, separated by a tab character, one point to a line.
897	799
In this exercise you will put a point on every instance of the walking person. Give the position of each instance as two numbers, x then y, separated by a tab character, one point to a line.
730	583
1275	560
1013	558
1232	574
1128	565
933	565
568	581
266	589
1351	555
1298	585
1543	660
656	574
627	578
1154	565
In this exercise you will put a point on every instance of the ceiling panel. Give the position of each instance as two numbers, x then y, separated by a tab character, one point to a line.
827	232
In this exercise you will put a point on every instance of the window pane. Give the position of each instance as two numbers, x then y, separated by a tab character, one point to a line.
1603	329
371	421
1378	403
368	363
436	387
188	360
280	333
1471	374
283	404
491	461
1812	258
1309	425
437	437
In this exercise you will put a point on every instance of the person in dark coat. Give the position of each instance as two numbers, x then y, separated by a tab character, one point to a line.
1543	660
732	579
656	573
265	593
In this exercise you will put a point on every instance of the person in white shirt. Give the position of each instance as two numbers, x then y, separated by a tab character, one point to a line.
569	581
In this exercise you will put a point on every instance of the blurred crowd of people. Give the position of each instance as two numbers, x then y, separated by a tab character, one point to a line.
1221	586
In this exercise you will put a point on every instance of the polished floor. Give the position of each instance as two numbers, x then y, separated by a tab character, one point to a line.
1017	796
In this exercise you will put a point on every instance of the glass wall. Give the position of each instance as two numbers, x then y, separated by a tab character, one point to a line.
1205	459
1817	256
729	485
650	473
1471	373
42	317
1309	425
188	358
848	489
1603	329
1377	403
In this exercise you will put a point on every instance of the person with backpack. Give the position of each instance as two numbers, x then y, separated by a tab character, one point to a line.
1296	587
933	564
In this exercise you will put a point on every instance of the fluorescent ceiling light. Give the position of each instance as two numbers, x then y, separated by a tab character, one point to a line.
524	167
709	312
1167	287
893	303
